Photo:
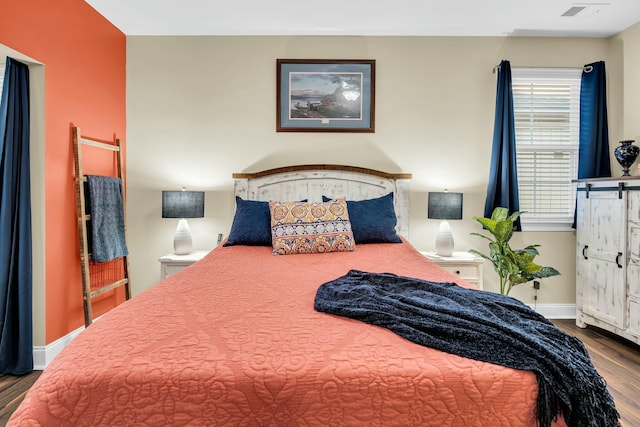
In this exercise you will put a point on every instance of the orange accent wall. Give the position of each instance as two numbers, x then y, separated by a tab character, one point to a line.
85	84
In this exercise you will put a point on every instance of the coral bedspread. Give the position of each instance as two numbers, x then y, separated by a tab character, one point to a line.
234	340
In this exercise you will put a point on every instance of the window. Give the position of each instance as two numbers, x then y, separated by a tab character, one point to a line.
547	113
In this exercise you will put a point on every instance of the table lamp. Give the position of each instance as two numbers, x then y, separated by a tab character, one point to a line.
444	206
183	204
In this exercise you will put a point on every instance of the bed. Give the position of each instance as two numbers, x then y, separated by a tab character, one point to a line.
234	340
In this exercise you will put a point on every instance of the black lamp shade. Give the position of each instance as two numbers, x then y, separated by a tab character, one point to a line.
182	204
445	205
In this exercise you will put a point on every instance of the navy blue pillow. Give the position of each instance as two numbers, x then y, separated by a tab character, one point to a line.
373	220
251	224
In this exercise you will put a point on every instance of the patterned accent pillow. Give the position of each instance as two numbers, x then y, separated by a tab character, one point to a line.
300	228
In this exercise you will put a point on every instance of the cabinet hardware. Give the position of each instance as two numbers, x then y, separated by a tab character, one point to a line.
584	250
618	259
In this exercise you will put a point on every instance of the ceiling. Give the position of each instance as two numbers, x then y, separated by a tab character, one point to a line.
370	17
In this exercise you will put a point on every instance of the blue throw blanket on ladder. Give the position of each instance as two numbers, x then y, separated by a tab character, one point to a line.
107	239
482	326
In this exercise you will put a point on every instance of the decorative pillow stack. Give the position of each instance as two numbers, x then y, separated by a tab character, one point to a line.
362	221
299	227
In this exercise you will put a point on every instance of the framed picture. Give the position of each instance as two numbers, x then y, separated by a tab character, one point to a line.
318	95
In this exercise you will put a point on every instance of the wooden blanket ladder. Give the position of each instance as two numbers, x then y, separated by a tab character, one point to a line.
97	277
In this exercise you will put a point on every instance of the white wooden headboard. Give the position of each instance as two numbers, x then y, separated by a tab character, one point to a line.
311	182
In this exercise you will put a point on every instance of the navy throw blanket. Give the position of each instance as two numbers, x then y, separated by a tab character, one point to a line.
483	326
107	239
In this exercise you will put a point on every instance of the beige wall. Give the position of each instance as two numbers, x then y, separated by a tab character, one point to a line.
201	108
630	46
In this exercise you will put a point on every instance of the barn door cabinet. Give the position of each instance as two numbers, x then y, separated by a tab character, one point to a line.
608	255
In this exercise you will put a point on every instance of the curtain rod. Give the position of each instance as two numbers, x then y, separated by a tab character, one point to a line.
587	68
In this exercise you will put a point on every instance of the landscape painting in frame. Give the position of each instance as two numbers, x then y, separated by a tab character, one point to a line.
318	95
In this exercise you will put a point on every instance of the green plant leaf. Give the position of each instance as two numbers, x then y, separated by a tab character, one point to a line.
514	266
515	216
530	268
482	235
480	254
546	272
503	230
487	223
499	214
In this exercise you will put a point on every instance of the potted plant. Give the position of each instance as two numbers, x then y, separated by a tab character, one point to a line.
514	266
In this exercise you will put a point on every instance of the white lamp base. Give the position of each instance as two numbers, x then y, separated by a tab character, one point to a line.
182	242
444	240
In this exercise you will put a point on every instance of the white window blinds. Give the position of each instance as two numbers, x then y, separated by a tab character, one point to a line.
547	114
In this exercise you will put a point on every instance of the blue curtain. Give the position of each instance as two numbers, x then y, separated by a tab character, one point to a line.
16	346
593	149
502	190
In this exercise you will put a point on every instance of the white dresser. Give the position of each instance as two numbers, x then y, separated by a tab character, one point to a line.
608	255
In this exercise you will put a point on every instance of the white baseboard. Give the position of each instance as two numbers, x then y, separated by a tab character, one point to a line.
43	355
556	311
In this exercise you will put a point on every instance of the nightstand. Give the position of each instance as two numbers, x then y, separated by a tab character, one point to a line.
172	263
465	264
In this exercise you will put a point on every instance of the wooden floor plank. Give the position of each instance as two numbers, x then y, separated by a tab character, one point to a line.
12	391
617	361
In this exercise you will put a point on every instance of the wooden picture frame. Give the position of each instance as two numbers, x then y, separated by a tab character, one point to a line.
321	95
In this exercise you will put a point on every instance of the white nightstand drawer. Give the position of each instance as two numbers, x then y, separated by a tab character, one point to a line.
172	269
172	263
464	271
464	264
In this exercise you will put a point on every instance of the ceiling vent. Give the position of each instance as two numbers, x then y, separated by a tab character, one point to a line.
574	11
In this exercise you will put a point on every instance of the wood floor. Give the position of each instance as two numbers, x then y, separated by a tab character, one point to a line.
12	391
617	360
